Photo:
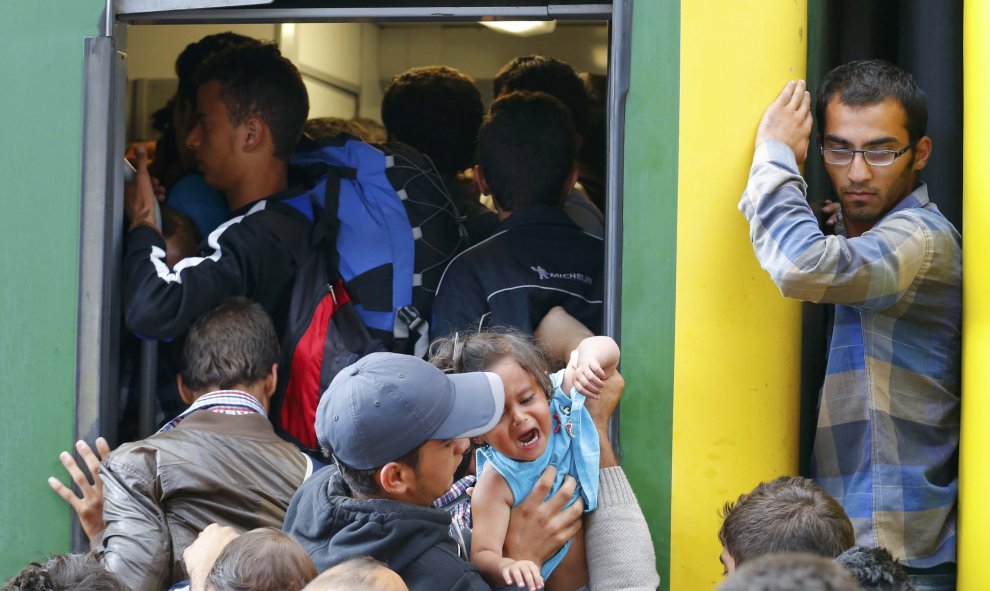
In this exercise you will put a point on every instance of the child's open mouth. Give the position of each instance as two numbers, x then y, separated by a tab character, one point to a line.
529	438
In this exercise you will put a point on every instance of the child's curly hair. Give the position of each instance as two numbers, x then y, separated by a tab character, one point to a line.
483	350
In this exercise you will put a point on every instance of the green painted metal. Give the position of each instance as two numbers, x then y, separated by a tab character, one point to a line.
649	255
40	114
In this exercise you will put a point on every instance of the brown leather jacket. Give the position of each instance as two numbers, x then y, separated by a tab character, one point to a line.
162	491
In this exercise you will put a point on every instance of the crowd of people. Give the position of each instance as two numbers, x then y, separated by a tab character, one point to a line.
487	464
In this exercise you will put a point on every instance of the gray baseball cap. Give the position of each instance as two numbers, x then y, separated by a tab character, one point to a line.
387	404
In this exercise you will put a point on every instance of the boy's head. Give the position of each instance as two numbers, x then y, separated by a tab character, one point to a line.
437	110
875	569
67	572
526	149
789	514
397	427
233	346
524	429
264	559
358	574
541	73
790	572
247	85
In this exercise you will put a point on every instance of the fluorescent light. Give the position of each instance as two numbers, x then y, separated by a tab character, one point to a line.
522	28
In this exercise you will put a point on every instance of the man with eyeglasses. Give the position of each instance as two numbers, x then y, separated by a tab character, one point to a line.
887	441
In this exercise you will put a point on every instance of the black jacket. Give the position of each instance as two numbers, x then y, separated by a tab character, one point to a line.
537	259
413	541
254	254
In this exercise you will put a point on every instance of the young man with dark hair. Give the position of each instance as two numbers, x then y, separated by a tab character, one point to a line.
438	110
538	258
789	514
875	569
175	165
888	430
251	107
790	572
540	73
219	461
396	428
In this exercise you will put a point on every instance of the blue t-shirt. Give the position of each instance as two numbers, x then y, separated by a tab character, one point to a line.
203	204
572	447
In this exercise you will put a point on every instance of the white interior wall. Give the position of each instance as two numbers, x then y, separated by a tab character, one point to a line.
480	52
346	65
151	50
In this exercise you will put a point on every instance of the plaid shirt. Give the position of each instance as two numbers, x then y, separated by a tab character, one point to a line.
888	424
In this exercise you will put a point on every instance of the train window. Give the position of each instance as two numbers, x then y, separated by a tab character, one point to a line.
346	52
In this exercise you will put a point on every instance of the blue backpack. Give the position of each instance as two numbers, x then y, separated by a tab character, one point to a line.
384	228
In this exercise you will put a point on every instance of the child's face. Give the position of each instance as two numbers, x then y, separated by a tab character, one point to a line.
524	429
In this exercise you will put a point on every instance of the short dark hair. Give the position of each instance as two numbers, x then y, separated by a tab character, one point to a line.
526	148
197	52
790	572
365	482
481	351
437	110
541	73
257	81
232	345
789	514
870	82
66	572
263	559
875	569
321	127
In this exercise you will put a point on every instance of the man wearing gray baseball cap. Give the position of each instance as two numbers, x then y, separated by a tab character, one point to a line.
397	428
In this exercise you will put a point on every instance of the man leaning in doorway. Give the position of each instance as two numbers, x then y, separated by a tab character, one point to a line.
888	426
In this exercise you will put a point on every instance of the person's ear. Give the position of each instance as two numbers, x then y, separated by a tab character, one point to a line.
922	152
271	381
569	183
187	395
255	132
481	181
395	478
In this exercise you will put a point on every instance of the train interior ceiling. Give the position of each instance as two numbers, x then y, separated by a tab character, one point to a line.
346	66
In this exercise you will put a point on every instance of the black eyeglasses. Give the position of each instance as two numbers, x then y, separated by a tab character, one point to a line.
844	157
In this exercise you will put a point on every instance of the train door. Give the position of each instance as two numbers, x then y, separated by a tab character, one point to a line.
112	99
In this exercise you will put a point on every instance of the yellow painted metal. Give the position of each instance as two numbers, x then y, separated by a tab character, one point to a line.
738	341
974	477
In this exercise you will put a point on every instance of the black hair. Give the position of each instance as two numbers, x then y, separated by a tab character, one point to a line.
257	81
365	482
437	110
526	149
66	572
196	53
875	569
870	82
232	345
541	73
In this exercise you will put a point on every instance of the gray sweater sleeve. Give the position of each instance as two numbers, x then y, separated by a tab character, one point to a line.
619	548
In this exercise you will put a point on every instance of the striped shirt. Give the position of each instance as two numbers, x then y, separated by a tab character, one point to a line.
888	423
228	402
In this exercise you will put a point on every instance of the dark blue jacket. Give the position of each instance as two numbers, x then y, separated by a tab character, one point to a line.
413	541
